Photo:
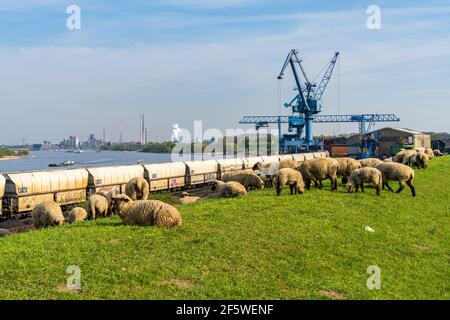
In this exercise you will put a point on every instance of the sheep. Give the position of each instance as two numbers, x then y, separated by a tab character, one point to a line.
97	207
365	175
229	174
4	233
399	156
407	157
108	195
230	189
429	152
390	159
397	172
346	167
185	198
319	169
291	177
420	159
77	215
147	212
438	153
137	189
370	162
289	164
47	213
248	180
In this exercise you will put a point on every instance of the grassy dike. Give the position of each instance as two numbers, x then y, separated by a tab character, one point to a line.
311	246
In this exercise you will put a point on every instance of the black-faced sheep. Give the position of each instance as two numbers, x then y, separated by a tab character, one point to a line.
77	215
97	207
429	152
438	153
397	172
370	162
318	170
137	189
185	198
291	177
230	189
365	175
247	179
346	167
47	214
147	212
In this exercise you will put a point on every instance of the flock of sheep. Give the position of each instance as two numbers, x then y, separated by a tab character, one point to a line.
134	208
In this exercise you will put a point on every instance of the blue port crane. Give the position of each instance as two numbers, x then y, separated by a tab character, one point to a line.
306	104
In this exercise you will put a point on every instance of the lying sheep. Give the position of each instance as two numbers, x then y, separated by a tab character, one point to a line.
365	175
397	172
319	169
346	167
137	189
370	162
248	180
185	198
47	214
97	207
230	189
291	177
147	212
437	153
420	160
77	215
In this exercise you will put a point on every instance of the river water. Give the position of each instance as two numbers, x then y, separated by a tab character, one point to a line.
39	160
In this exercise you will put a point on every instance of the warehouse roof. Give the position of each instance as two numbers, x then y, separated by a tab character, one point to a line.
404	130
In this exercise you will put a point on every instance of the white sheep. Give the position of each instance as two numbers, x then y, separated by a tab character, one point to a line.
97	207
137	189
147	212
47	214
291	177
77	215
230	189
365	175
370	162
248	179
185	198
319	169
397	172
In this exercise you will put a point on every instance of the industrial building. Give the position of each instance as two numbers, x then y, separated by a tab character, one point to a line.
390	140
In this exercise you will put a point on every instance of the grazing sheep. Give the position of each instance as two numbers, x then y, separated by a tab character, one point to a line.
438	153
319	169
429	152
420	160
346	167
291	177
229	174
109	196
77	215
390	159
289	164
407	157
399	156
248	180
147	212
137	189
365	175
47	214
370	162
97	207
4	233
266	180
230	189
185	198
397	172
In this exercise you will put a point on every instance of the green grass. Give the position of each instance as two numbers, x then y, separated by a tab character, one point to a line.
256	247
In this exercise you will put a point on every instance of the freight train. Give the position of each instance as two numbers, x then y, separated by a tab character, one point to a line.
20	192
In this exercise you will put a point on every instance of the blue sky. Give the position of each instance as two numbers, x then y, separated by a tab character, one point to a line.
177	61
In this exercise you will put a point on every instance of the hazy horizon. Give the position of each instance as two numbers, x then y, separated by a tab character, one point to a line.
177	61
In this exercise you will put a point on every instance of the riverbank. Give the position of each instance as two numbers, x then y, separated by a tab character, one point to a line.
9	158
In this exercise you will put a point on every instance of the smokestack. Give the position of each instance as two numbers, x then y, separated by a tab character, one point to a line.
146	141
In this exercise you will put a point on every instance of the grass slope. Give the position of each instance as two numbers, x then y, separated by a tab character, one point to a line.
261	246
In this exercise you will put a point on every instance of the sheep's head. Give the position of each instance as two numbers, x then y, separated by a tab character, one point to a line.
349	187
184	195
257	166
215	185
123	203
